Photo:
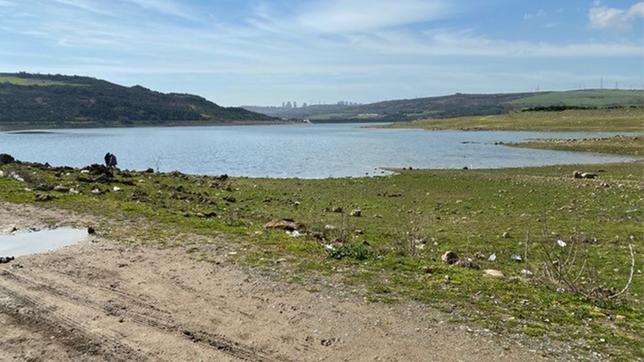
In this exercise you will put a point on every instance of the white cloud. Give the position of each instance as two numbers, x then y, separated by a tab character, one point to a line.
167	7
347	16
603	17
539	14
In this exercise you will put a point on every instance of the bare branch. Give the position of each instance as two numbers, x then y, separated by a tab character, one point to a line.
630	278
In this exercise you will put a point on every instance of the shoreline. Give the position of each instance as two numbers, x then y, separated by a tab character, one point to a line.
382	239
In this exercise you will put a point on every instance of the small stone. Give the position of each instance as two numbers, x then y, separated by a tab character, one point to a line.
337	209
492	257
506	235
91	230
449	257
516	257
43	197
493	273
356	213
61	188
527	272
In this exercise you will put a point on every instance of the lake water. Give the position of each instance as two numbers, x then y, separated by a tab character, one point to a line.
25	243
306	151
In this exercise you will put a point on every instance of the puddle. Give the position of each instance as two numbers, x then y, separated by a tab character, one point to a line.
25	243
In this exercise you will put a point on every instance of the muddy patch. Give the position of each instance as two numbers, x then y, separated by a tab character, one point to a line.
34	242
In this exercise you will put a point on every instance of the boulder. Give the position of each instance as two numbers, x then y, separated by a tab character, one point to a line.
449	257
588	175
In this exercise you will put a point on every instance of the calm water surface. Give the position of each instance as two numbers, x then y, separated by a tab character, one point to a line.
25	243
307	151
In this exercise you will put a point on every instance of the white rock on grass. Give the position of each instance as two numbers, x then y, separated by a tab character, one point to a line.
493	273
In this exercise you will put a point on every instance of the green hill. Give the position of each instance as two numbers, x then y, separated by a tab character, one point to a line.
60	101
584	98
457	105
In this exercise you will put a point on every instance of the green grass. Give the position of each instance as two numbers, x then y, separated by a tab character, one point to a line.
620	145
624	119
466	211
31	81
584	98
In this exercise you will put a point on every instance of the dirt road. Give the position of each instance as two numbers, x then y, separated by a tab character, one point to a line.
106	300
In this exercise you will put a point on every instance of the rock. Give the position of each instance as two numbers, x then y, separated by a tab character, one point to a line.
230	199
61	188
6	259
449	257
91	230
329	227
516	257
6	159
149	170
578	174
492	257
467	263
99	170
43	187
96	191
117	189
493	273
43	197
506	235
527	272
359	232
337	209
283	224
356	213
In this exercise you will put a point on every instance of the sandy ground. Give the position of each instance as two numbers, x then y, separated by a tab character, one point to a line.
105	300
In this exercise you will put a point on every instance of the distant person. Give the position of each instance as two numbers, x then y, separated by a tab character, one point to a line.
107	158
113	161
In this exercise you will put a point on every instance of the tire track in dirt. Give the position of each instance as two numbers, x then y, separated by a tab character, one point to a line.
144	317
28	312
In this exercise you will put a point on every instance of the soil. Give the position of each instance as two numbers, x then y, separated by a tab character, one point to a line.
109	300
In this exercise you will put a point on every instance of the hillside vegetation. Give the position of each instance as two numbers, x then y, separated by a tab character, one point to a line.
456	105
620	119
58	101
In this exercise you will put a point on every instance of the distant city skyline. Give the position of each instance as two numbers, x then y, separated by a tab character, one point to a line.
236	52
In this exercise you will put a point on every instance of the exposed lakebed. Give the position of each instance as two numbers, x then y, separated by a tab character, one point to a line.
306	151
33	242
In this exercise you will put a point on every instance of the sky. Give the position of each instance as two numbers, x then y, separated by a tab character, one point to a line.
243	52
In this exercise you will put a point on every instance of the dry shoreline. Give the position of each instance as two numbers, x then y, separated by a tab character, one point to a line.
111	300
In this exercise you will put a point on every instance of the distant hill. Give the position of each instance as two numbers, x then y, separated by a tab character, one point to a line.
60	101
457	105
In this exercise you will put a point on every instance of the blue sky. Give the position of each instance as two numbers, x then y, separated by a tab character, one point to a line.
237	52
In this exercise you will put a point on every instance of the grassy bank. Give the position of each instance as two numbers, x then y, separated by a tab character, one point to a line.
393	250
623	119
621	145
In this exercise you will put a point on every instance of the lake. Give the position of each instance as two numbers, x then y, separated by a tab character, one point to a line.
306	151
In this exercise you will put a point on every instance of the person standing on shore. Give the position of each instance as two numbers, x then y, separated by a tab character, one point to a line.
113	161
108	157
